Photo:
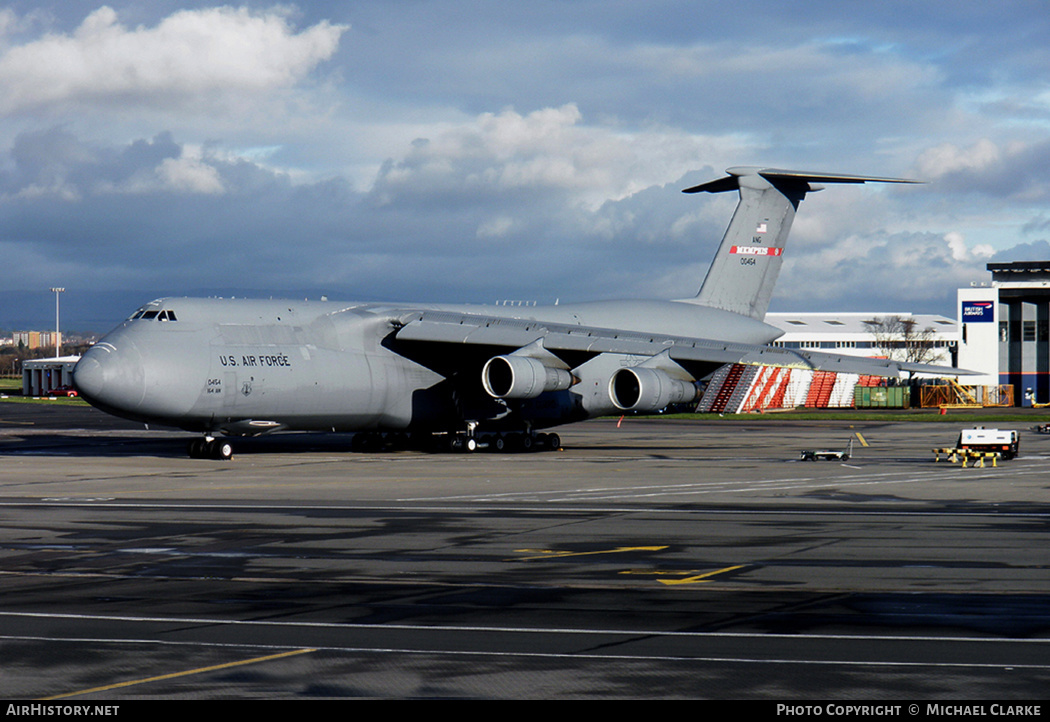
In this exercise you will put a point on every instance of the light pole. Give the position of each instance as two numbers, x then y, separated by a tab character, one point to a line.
58	336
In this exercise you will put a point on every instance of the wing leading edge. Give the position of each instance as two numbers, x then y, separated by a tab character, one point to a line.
573	342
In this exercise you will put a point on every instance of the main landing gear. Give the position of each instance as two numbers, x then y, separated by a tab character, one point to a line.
503	443
211	448
464	442
467	442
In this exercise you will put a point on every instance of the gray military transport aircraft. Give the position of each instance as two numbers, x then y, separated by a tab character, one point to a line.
464	377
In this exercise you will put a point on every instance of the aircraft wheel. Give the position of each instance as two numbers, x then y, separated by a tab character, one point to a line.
498	443
470	444
221	450
553	442
196	448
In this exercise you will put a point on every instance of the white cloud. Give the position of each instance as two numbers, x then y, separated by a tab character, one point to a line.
190	175
949	158
189	52
1012	169
961	252
881	272
550	150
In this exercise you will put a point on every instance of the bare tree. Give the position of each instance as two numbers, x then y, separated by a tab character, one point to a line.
902	339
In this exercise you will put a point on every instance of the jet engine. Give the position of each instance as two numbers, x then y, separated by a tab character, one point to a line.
522	377
639	388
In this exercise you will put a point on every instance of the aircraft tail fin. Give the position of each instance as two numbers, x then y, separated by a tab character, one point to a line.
746	266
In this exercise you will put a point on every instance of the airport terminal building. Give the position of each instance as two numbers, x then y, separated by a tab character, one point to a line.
1005	330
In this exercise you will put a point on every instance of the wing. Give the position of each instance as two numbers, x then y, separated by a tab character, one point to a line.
480	336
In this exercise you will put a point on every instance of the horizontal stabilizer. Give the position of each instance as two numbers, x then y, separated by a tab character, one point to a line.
733	181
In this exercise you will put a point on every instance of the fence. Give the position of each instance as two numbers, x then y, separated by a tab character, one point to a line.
954	395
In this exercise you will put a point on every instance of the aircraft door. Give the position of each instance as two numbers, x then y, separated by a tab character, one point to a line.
230	392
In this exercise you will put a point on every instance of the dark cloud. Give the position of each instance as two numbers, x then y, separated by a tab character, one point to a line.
1018	171
1035	251
425	236
465	152
429	229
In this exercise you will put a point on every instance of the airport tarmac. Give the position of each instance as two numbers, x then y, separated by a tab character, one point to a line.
649	559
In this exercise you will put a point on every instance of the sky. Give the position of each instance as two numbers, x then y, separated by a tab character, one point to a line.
408	150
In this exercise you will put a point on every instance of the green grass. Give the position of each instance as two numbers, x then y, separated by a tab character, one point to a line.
953	416
14	388
64	400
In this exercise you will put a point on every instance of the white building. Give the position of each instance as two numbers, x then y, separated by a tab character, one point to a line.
42	375
848	334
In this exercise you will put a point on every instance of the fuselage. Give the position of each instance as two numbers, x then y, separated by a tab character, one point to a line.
244	367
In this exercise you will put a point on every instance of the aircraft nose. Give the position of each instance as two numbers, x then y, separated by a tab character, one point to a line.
111	375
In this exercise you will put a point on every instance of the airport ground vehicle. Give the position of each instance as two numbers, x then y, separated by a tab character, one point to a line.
828	454
1004	442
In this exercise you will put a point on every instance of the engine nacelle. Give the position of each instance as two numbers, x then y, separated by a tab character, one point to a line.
522	377
646	389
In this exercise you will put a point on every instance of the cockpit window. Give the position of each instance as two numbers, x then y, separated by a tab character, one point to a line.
165	315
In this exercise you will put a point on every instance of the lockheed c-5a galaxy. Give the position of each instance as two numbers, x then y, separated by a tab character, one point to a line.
467	376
